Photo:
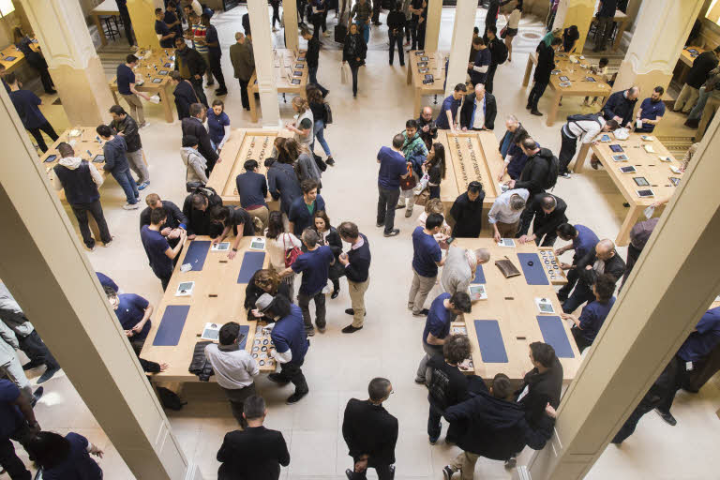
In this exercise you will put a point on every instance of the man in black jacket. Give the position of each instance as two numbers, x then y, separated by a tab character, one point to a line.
535	173
371	433
548	211
312	57
497	48
604	259
127	127
184	95
543	70
426	126
191	66
495	428
479	110
697	75
194	126
620	106
396	23
256	452
542	384
467	212
171	228
357	270
114	148
197	209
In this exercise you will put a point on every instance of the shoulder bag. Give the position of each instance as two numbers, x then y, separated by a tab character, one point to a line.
290	254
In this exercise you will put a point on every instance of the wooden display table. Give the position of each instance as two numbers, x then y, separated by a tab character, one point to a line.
433	64
511	302
470	156
647	165
243	145
287	66
106	8
12	57
577	73
217	298
622	20
689	54
154	67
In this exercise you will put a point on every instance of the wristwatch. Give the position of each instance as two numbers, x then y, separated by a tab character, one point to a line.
234	249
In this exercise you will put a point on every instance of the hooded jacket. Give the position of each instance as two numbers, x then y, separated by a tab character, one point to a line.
79	178
535	172
114	151
195	165
129	128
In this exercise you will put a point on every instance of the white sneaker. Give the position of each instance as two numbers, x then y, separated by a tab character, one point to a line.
129	206
144	124
275	29
565	175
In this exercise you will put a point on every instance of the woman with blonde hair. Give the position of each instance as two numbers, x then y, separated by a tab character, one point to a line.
435	205
302	107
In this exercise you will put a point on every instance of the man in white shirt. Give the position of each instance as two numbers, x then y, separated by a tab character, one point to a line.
234	369
505	213
587	129
460	267
479	110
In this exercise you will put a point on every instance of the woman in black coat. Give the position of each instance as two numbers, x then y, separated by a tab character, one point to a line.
330	237
354	52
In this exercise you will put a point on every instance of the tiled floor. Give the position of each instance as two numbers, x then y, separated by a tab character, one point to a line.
339	367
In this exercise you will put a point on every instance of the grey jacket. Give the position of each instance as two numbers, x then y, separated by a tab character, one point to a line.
8	345
195	164
243	62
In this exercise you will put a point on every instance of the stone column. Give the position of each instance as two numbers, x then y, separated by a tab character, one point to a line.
576	12
75	67
142	15
264	61
52	278
465	12
290	19
661	29
672	285
432	29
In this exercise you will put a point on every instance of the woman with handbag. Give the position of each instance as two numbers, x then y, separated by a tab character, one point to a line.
511	29
407	191
319	110
330	237
282	247
354	52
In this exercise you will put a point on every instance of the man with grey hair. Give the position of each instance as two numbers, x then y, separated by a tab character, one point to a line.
243	62
460	267
314	265
513	127
505	213
621	105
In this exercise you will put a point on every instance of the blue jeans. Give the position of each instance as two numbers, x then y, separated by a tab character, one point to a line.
365	29
320	136
312	79
125	180
697	111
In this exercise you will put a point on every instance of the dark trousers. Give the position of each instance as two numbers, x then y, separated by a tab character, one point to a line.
580	340
37	351
244	93
125	17
276	13
312	78
304	304
387	201
397	40
418	35
164	281
354	69
547	241
38	62
292	372
124	178
633	254
628	427
681	378
605	28
567	151
217	70
95	209
49	131
490	77
535	94
317	21
434	192
582	293
9	459
572	278
237	397
197	84
384	472
377	6
433	426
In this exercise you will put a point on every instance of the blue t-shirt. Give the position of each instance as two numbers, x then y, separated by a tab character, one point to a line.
77	465
426	253
155	247
216	126
170	17
106	281
314	266
438	319
700	343
393	165
593	316
162	29
448	104
125	76
10	416
211	36
651	111
130	311
252	188
585	241
26	103
289	334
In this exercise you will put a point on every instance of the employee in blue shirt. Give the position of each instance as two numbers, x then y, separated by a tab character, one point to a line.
583	242
126	87
651	111
427	257
17	422
302	210
26	104
393	168
448	113
166	36
65	457
593	315
480	64
253	190
133	312
158	250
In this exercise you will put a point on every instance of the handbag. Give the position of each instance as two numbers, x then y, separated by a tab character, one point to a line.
507	268
290	254
503	32
328	114
410	181
345	73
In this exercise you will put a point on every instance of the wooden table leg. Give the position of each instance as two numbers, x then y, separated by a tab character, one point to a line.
619	35
581	157
631	219
253	106
409	75
554	109
165	99
115	97
528	70
100	30
418	101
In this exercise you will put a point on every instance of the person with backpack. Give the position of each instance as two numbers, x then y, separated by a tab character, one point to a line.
541	170
586	129
498	55
548	213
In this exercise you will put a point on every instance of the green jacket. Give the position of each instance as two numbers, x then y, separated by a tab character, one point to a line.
414	146
243	62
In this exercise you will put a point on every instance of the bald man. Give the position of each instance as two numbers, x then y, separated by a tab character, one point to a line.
620	106
602	260
479	110
428	130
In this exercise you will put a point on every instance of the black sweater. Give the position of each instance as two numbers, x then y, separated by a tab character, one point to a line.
370	430
543	388
468	216
193	126
396	23
545	223
252	454
174	216
546	63
359	268
535	172
615	266
199	220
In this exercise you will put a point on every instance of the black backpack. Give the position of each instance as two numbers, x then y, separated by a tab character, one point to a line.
553	172
500	53
328	114
589	117
170	399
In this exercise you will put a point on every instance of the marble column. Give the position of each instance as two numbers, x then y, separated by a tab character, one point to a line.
264	61
142	15
576	12
432	29
290	19
465	12
75	67
671	286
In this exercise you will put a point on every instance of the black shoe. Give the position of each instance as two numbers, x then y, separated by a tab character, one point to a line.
349	474
36	396
535	112
277	378
294	398
379	225
350	311
33	364
327	92
692	123
334	294
392	233
321	329
330	161
51	92
667	416
49	373
422	313
447	472
351	329
528	106
433	440
310	332
221	92
210	84
626	205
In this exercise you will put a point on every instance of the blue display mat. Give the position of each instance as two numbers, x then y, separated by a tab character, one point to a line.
246	330
492	347
171	326
479	275
554	335
251	263
535	274
197	252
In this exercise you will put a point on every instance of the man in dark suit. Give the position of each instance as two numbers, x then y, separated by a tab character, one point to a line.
193	125
371	433
603	259
191	66
548	211
256	452
621	105
479	110
542	384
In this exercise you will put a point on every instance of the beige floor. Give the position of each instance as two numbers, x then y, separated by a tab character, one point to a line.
338	366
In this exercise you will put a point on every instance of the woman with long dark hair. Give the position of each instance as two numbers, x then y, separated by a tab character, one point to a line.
279	244
65	457
354	52
330	237
435	168
317	105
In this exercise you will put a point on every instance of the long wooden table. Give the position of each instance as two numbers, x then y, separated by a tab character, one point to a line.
577	71
470	156
154	67
511	302
217	298
434	64
647	165
12	52
287	65
243	144
106	8
622	20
